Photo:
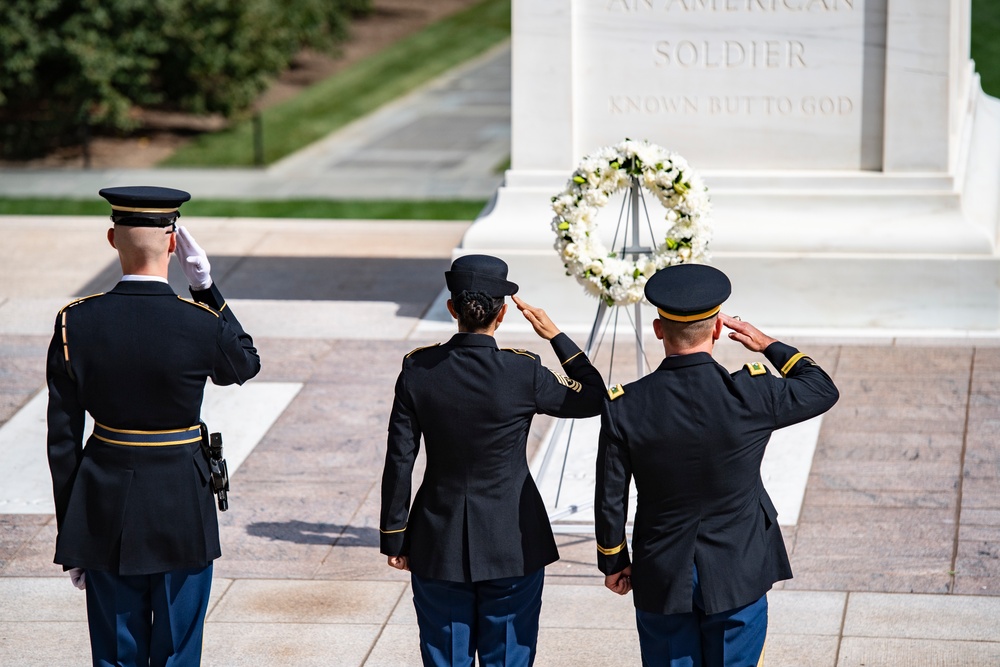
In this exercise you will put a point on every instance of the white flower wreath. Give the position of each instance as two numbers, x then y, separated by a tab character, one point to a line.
608	275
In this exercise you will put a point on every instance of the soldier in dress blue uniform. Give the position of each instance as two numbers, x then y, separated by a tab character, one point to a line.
477	538
706	543
137	524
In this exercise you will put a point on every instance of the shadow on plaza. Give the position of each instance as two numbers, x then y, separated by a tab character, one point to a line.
304	532
412	283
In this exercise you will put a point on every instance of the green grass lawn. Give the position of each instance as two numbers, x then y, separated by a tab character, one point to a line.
464	210
986	43
355	92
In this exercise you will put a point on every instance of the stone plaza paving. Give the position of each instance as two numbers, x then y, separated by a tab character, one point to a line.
896	551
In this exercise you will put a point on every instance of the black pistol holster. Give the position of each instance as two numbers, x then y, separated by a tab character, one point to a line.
211	447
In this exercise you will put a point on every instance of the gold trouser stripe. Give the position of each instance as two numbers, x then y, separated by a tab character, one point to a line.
572	358
610	552
143	209
760	661
689	318
791	363
132	443
390	532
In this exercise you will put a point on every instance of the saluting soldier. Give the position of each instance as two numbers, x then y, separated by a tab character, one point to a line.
137	524
706	543
477	538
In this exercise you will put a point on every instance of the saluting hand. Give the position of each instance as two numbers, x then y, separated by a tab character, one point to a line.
746	334
194	260
400	562
620	582
540	322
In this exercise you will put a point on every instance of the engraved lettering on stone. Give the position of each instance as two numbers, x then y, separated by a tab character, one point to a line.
748	5
731	54
628	5
811	106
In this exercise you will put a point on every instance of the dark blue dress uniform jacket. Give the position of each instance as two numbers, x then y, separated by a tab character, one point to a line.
477	514
137	358
693	436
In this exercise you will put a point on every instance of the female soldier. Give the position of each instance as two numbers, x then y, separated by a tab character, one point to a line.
477	538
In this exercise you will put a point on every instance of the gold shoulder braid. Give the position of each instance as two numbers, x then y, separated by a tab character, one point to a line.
522	352
417	349
200	305
65	335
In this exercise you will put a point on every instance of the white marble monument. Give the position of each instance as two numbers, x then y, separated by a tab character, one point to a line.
852	158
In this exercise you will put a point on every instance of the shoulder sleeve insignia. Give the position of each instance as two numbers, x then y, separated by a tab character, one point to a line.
200	305
756	368
616	391
567	382
523	353
79	301
417	349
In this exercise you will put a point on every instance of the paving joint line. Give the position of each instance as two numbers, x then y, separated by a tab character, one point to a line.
384	625
953	573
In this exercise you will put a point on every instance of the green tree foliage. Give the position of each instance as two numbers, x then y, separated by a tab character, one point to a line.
70	65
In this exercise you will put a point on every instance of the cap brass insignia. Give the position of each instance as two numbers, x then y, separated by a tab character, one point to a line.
616	391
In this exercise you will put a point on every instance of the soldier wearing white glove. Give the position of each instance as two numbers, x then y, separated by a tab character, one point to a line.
193	260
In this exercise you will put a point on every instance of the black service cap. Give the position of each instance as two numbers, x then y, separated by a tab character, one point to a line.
144	205
688	292
479	273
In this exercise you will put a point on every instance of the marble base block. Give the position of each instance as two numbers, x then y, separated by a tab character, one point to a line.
822	249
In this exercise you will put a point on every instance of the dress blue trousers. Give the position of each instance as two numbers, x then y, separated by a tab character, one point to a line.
733	638
154	620
497	618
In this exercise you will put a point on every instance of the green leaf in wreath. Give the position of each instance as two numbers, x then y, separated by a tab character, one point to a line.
564	225
579	179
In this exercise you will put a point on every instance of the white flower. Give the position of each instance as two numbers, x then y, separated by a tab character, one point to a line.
648	154
600	176
596	198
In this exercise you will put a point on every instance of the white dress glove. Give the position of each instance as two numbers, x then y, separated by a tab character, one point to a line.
194	261
78	576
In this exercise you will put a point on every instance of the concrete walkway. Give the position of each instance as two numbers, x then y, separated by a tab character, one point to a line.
449	139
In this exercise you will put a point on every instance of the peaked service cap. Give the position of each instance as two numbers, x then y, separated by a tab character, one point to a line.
479	273
688	292
144	205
